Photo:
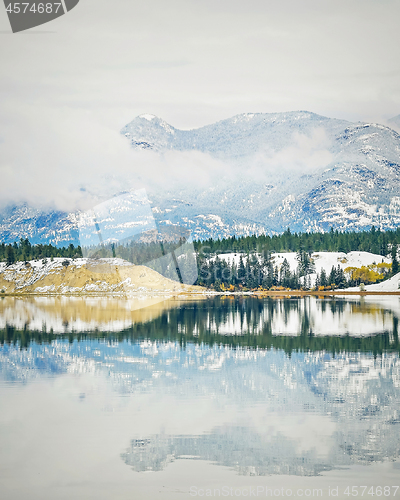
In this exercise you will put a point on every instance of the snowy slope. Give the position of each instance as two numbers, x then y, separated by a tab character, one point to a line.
322	260
326	260
390	285
86	275
301	170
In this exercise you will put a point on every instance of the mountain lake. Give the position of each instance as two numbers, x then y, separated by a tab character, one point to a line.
232	397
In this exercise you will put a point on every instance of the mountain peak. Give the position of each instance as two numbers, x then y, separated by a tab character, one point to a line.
148	131
149	121
147	116
293	169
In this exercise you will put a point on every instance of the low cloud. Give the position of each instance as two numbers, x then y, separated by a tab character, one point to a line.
304	155
393	123
64	159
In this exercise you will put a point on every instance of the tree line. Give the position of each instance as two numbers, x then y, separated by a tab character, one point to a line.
260	272
24	251
374	241
135	252
256	267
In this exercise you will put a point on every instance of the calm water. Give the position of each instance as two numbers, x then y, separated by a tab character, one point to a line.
128	399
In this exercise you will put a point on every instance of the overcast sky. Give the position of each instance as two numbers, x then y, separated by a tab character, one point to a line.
76	81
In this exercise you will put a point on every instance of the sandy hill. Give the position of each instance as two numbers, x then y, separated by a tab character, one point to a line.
86	276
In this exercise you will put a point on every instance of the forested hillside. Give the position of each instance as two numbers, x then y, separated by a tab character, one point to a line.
25	251
374	241
258	268
254	261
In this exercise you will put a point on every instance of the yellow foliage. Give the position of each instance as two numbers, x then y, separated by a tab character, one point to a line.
226	288
368	274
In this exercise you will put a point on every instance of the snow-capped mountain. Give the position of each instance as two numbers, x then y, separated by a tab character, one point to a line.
298	169
40	226
277	170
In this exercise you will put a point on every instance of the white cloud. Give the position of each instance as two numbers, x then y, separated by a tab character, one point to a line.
305	154
59	157
64	159
66	93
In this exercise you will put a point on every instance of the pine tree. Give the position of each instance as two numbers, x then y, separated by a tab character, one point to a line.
285	273
241	272
340	278
276	276
234	271
323	279
395	262
306	265
268	279
332	277
10	255
256	271
217	285
295	281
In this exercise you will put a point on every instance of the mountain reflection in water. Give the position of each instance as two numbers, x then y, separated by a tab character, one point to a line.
308	385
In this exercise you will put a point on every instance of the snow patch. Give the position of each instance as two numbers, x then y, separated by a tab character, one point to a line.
147	117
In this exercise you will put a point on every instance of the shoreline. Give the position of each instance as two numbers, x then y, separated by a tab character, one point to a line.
205	293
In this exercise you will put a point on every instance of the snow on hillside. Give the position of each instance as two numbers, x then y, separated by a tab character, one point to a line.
322	260
108	275
390	285
45	267
347	175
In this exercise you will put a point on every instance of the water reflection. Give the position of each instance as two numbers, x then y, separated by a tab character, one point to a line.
286	323
300	402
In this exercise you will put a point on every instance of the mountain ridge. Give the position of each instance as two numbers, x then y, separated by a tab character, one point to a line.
295	169
362	164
